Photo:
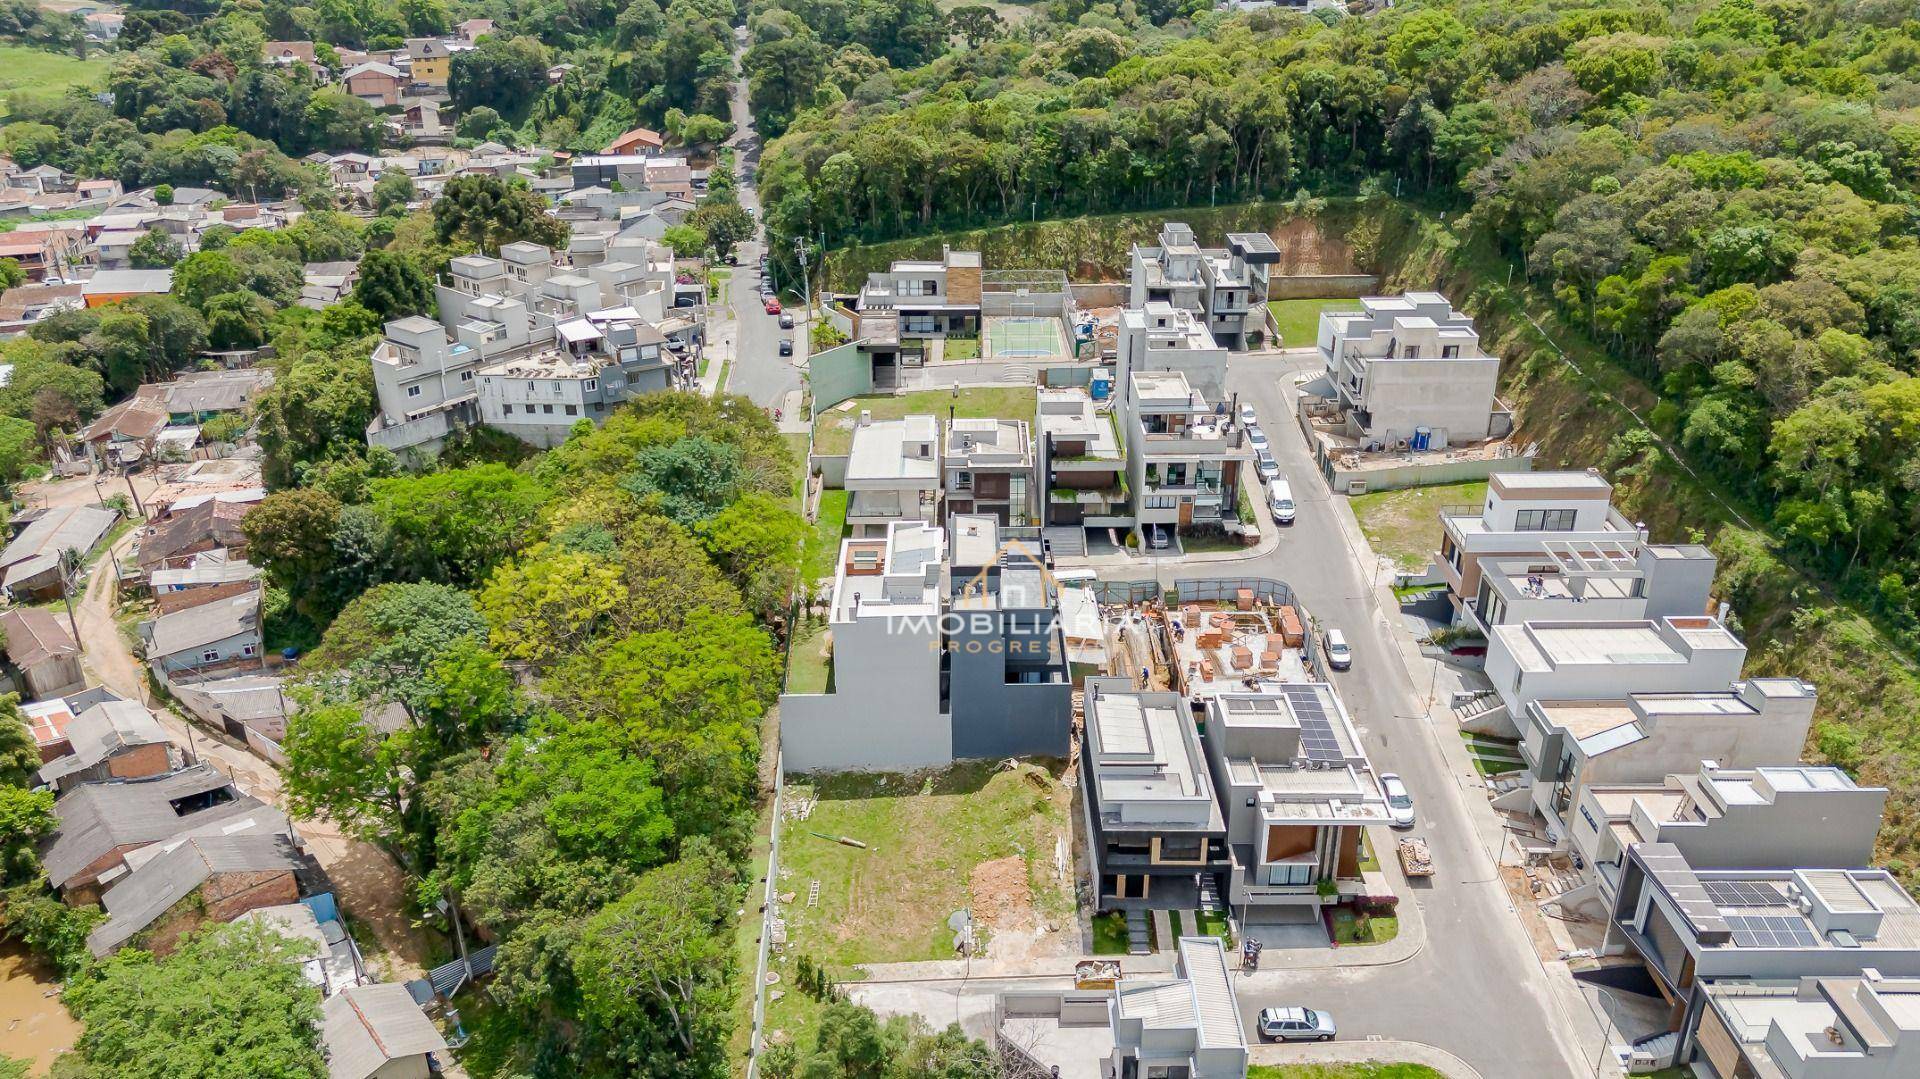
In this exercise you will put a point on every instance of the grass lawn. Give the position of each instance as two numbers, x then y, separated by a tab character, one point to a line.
810	671
1214	925
1405	525
1299	320
833	430
823	543
1369	860
46	74
1342	1071
1110	933
961	348
1375	929
925	834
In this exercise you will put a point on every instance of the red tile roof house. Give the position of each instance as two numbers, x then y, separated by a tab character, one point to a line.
639	140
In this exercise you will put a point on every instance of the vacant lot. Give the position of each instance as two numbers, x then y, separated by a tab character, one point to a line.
45	74
1341	1072
1405	525
972	835
1299	320
833	429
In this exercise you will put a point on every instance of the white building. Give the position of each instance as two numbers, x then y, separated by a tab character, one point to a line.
1188	1025
1082	462
1865	1027
1536	517
1224	288
989	469
1586	659
1594	582
591	369
1183	453
1410	369
893	473
1162	337
930	297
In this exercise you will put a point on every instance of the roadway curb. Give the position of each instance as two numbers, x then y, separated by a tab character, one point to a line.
1380	1051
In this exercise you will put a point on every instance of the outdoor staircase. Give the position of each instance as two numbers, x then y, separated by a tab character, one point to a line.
1016	372
1139	941
1653	1053
1209	894
1066	542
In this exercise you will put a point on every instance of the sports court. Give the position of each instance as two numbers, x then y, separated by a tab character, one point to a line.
1026	337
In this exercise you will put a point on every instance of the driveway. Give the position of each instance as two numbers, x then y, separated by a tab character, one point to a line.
366	879
1477	989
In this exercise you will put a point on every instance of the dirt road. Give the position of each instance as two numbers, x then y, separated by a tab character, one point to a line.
366	880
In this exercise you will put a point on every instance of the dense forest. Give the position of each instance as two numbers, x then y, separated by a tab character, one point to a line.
1722	192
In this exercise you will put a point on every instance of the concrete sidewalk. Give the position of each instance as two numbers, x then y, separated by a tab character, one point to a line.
1382	1051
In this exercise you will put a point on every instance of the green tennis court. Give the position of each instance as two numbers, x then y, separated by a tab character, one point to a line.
1025	337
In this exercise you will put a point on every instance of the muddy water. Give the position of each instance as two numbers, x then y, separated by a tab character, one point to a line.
34	1025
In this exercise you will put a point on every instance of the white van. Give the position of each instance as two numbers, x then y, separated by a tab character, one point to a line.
1280	501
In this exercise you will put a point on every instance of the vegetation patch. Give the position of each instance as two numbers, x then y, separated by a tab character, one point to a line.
924	834
1404	525
833	429
1299	320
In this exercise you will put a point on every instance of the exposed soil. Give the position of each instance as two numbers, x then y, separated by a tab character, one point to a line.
1002	899
1306	248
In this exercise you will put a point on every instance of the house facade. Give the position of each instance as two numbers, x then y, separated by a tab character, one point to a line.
988	465
1224	288
1409	372
1082	462
928	297
1530	516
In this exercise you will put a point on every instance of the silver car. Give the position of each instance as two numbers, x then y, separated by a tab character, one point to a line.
1296	1025
1399	802
1265	466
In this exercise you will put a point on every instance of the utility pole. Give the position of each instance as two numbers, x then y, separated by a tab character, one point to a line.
69	564
128	476
806	278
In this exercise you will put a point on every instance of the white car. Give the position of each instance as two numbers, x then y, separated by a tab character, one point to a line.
1265	466
1280	501
1247	418
1258	439
1339	656
1399	802
1296	1025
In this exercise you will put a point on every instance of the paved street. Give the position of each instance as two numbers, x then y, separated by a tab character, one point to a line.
1476	989
759	371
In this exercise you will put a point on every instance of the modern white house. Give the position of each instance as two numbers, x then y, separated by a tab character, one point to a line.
1224	288
1187	1025
893	473
1582	659
1570	746
928	297
1408	372
1160	337
1594	582
1861	1027
1082	464
1184	453
1709	936
550	336
1532	517
989	469
1777	817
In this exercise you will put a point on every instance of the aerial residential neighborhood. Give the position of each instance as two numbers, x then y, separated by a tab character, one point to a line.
934	540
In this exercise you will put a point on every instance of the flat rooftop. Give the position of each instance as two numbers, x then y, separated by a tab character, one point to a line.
1558	482
1545	645
882	450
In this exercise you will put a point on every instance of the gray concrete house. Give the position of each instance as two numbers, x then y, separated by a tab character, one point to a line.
935	660
1226	287
989	469
1865	1027
1408	371
1155	833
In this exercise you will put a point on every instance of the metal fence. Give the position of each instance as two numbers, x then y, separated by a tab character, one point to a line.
1227	589
768	900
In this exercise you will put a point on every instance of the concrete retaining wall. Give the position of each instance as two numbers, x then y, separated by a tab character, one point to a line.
1321	286
832	468
837	374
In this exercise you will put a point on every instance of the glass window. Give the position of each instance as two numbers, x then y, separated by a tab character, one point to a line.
572	410
1449	352
592	384
1182	848
1560	520
413	391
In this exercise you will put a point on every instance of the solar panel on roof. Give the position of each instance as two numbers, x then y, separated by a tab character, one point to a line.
1744	893
1317	739
1770	931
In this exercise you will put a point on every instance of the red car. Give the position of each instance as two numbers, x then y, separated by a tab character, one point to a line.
773	306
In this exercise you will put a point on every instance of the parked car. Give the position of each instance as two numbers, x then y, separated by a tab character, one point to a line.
1339	656
1258	439
1280	501
1296	1025
786	320
772	305
1265	465
786	347
1399	802
1247	418
1157	537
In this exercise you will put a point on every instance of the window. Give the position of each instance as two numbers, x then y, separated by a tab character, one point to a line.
1413	352
1560	520
1162	502
211	655
548	409
573	410
532	386
413	391
1182	848
1291	873
1449	352
506	410
963	481
591	385
247	650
